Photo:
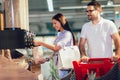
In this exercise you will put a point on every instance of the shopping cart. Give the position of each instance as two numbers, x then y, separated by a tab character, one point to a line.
103	68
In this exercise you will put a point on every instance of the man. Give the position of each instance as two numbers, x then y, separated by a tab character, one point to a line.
98	34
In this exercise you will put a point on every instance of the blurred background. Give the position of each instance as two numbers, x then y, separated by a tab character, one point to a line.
41	12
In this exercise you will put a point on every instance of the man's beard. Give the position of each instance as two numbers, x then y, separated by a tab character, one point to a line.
89	18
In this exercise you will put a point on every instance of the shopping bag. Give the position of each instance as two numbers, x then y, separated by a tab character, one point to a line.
66	55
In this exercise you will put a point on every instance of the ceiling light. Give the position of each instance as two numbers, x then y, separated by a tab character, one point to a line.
116	12
73	7
50	5
110	2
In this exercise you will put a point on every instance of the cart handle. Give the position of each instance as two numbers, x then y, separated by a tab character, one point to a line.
102	59
99	59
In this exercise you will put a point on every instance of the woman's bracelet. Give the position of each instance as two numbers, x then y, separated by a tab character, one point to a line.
47	59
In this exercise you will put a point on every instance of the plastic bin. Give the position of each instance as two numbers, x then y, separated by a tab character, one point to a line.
100	66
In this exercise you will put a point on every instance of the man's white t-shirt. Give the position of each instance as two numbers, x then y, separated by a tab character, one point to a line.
99	38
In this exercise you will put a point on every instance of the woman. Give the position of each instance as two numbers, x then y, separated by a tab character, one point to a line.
64	38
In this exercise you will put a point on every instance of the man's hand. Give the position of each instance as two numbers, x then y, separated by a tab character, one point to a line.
84	59
115	58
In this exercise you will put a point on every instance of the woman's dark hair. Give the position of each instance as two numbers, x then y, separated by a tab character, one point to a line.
64	23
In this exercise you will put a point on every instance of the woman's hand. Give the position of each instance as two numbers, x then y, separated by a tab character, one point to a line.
37	43
40	60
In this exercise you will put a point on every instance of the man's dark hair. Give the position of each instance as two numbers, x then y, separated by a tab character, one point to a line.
96	4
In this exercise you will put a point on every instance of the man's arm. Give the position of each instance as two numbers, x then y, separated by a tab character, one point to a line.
82	47
116	39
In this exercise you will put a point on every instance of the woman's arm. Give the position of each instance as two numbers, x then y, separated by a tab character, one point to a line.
51	47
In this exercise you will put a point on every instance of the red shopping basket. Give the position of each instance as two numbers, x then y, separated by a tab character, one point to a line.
100	66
